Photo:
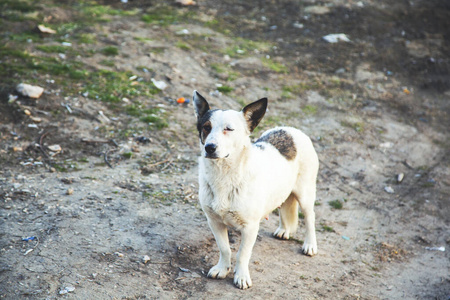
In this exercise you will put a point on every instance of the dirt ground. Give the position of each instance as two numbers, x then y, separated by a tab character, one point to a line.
114	214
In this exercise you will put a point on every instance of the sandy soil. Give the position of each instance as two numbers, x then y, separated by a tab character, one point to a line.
375	107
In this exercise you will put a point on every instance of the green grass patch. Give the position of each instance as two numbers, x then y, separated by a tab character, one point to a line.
225	89
112	86
183	46
110	51
309	109
52	48
163	16
327	228
108	62
86	38
244	47
127	155
336	204
357	126
274	66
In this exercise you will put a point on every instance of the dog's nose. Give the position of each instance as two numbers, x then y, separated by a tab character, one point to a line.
210	148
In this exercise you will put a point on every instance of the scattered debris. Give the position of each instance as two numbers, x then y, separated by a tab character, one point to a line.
54	148
442	249
28	90
298	25
389	189
317	10
12	98
185	2
184	269
159	84
336	37
67	44
45	29
67	289
119	254
103	118
182	32
346	238
145	259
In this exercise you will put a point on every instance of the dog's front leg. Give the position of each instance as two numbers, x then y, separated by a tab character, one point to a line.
241	273
220	232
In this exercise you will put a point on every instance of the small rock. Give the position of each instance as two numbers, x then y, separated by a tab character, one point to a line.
400	177
185	2
44	29
389	189
317	10
160	85
54	148
36	119
12	98
336	37
69	191
145	259
28	90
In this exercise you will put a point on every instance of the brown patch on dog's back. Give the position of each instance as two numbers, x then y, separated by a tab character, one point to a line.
282	141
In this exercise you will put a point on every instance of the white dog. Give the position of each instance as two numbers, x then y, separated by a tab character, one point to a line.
241	183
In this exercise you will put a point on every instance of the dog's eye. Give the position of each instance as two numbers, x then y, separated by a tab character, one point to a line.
228	129
207	127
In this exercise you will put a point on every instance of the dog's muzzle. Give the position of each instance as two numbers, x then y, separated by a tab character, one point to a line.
210	150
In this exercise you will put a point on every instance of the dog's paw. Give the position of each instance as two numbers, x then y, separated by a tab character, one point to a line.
242	279
281	233
218	272
309	249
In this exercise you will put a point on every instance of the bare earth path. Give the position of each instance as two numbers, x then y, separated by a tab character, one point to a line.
115	213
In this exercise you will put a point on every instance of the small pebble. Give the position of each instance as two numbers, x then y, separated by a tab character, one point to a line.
145	259
69	191
389	189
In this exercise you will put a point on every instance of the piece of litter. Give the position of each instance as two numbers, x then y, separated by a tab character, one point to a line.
183	32
435	249
66	290
44	29
336	37
145	259
54	148
28	251
69	191
400	177
185	2
389	189
298	25
346	238
184	270
67	44
160	85
12	98
30	238
32	91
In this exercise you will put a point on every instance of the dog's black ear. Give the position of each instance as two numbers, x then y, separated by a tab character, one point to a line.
200	105
254	112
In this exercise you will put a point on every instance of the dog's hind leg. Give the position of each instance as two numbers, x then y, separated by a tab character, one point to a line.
307	198
288	218
220	232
